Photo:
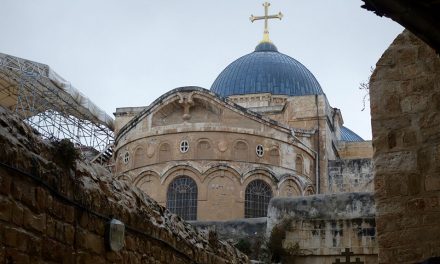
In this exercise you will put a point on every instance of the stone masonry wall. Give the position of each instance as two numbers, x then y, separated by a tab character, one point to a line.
354	175
323	226
405	110
52	213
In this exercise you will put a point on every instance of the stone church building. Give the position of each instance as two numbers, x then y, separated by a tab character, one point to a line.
264	129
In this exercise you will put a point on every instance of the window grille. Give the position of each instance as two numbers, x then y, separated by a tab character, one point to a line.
184	146
260	150
182	198
257	196
126	157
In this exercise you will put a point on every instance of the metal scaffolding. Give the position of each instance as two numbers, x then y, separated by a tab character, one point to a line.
52	105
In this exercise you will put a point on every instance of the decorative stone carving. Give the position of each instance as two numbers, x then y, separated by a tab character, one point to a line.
186	102
222	146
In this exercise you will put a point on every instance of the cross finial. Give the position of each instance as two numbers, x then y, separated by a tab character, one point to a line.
266	17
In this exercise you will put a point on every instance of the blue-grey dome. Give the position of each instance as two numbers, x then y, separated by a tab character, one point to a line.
348	135
266	71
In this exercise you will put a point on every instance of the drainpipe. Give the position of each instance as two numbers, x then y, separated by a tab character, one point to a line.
317	178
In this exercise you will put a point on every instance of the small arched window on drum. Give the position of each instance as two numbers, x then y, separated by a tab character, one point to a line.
299	164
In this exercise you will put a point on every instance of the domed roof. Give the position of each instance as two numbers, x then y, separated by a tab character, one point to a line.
266	71
348	135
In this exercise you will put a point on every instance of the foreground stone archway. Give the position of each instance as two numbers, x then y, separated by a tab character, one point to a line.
405	111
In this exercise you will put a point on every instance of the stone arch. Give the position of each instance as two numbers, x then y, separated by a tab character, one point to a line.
139	157
262	173
289	187
124	177
257	196
148	181
240	151
164	152
274	156
182	197
181	169
204	149
309	190
299	164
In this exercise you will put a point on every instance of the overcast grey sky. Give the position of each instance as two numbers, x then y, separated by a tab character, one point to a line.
128	53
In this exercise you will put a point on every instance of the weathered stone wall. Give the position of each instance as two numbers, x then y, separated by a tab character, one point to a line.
355	149
245	228
352	175
405	110
322	226
53	213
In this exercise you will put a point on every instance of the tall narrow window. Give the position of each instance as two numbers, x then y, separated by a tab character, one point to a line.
204	150
139	157
257	197
164	152
299	164
274	156
182	198
240	151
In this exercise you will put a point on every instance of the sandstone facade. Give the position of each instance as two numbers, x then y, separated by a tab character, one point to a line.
405	109
296	137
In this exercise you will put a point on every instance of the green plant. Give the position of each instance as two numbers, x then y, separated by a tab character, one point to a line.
65	153
244	246
275	243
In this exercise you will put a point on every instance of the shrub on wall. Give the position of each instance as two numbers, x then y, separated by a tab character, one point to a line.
65	153
275	244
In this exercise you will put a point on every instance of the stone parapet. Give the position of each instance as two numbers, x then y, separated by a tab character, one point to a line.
323	226
57	213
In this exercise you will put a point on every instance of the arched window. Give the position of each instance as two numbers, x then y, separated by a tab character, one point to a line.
139	157
240	151
204	150
299	164
164	152
274	156
182	198
257	197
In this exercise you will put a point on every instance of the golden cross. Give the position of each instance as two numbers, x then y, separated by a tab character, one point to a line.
266	17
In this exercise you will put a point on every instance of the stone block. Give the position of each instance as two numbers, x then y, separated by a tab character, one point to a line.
5	209
69	234
130	243
69	214
5	183
41	197
406	55
17	214
53	250
399	161
16	238
432	183
13	255
34	222
34	246
90	241
87	258
114	257
402	255
416	204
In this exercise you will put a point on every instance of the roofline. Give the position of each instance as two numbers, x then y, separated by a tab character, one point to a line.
222	100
